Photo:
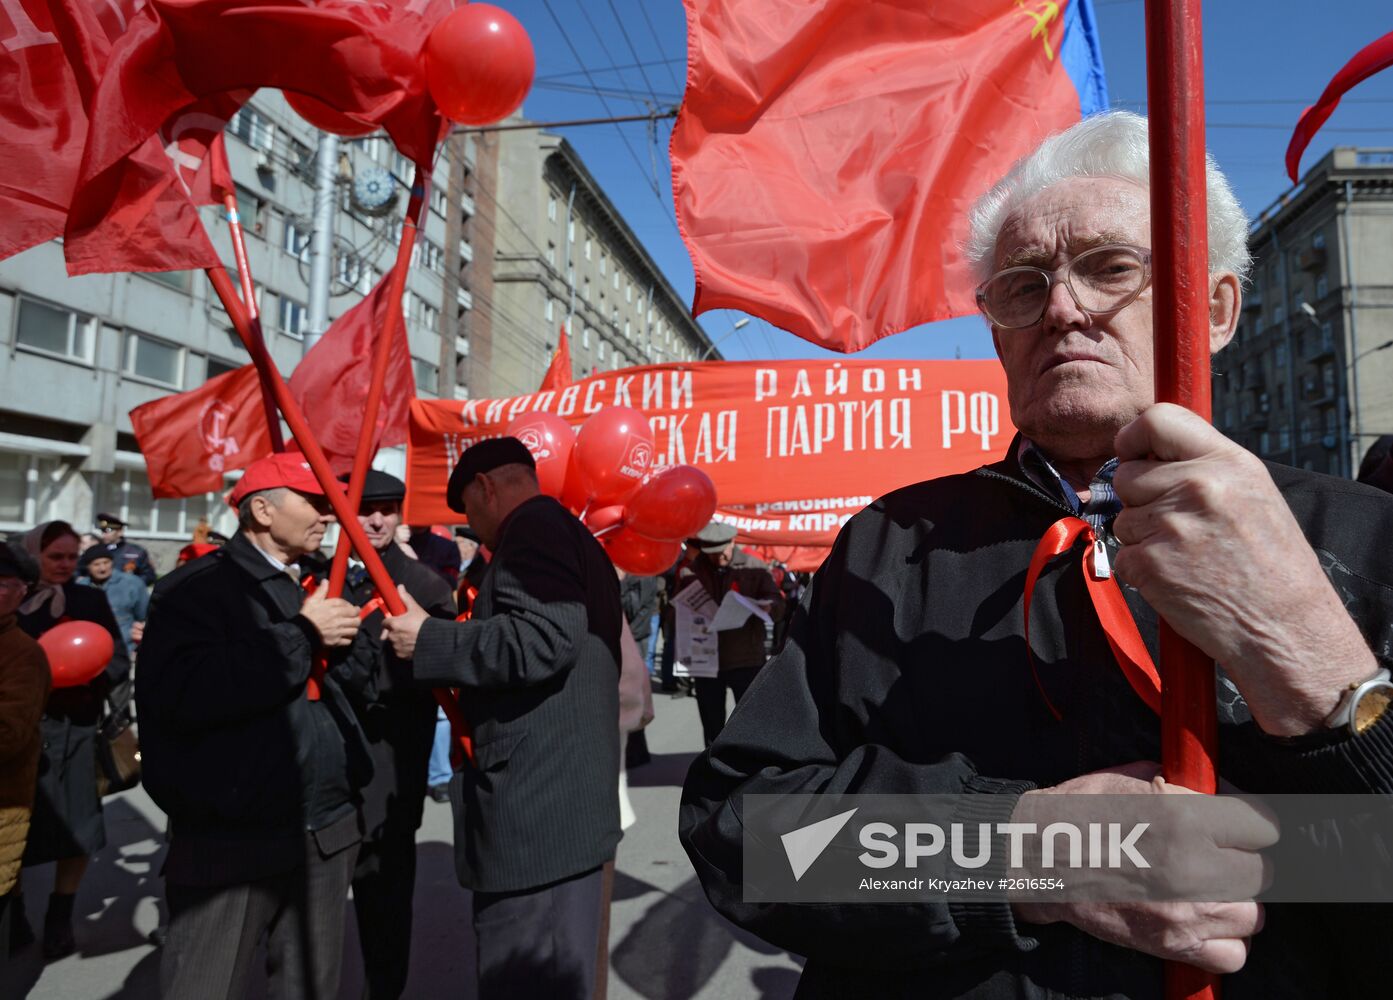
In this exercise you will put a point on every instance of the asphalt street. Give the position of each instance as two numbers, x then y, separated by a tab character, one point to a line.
666	942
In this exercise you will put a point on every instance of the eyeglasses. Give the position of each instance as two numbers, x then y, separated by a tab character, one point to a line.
12	583
1102	280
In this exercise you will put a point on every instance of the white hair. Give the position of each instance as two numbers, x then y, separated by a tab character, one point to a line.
1109	144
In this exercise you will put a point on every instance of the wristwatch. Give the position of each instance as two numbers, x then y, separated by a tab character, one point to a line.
1362	704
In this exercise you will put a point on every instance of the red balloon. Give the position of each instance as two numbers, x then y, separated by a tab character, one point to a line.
325	118
614	451
641	556
604	519
550	439
77	652
672	504
573	495
479	64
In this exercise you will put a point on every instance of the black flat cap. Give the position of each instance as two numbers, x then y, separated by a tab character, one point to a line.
465	531
92	555
485	457
14	561
381	486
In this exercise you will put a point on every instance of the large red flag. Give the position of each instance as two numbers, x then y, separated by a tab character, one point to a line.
191	438
1376	56
331	382
827	153
558	374
181	57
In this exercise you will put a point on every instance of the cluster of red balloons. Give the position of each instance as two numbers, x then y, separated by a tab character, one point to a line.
605	474
77	652
479	65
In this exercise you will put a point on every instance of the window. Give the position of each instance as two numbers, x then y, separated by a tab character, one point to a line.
615	280
551	253
602	350
1284	438
587	248
1327	335
434	257
604	264
292	317
628	292
426	374
1318	241
570	230
253	210
348	268
551	207
1327	373
1279	313
628	330
1322	286
550	309
585	290
178	280
253	128
301	158
149	358
296	238
585	337
1282	399
439	200
1280	355
216	367
56	331
1264	443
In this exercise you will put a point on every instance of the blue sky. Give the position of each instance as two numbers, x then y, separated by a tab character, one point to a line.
1264	61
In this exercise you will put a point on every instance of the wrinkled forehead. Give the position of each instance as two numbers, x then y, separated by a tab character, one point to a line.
1071	217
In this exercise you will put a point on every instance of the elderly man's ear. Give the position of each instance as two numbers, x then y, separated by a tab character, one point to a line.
1225	298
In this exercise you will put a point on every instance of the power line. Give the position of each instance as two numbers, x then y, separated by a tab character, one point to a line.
643	9
612	69
573	123
638	61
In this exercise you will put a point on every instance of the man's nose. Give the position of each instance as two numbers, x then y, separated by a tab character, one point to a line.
1062	310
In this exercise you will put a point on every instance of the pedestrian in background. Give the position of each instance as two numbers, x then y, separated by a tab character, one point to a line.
24	685
128	556
67	826
126	593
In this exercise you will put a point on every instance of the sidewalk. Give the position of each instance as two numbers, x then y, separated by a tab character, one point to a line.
666	943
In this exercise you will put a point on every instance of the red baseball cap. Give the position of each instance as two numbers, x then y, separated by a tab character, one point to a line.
286	468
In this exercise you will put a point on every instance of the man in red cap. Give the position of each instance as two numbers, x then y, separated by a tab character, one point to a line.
252	750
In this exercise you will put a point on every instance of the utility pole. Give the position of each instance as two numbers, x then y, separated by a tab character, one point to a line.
322	238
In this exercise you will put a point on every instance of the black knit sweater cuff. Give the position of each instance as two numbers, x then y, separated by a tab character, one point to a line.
990	923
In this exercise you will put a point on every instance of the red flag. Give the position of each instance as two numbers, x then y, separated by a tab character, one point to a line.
826	154
49	68
558	374
1375	56
331	382
191	438
182	56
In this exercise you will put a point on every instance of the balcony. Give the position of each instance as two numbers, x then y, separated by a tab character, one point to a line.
1311	259
1318	350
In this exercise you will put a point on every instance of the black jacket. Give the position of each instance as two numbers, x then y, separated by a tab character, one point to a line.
397	716
639	597
538	672
233	750
906	672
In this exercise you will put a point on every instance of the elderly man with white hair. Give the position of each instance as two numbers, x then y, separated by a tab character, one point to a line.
909	668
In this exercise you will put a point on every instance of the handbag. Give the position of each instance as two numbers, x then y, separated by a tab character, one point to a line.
118	754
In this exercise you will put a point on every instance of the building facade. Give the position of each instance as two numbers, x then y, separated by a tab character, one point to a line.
1308	378
80	353
563	255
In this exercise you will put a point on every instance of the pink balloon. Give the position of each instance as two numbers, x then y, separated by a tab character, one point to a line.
614	451
550	440
641	556
672	504
77	652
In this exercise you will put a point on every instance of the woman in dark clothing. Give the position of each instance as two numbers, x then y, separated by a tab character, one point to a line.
67	821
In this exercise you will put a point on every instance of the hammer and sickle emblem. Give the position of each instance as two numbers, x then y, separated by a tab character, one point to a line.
1043	14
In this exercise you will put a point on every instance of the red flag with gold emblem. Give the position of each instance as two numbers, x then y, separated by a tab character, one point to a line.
827	154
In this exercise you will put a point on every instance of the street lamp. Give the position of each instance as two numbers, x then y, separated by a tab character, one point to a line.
737	325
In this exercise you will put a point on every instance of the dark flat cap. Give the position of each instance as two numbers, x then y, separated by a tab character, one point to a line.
465	531
715	536
484	457
380	486
14	561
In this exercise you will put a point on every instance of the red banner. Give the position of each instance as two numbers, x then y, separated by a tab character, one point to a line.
794	447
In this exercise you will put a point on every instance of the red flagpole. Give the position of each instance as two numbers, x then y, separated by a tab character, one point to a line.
382	354
1180	268
319	465
244	274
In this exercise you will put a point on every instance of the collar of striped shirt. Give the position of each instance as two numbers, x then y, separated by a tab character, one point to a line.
1102	504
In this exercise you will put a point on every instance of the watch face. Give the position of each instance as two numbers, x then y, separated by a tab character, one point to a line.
1371	708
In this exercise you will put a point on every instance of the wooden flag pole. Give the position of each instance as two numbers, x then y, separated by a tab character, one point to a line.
244	275
1180	269
333	489
382	355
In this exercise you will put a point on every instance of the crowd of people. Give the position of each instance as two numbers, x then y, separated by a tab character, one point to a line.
291	737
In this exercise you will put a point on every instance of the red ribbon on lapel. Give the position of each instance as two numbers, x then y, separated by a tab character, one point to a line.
1111	607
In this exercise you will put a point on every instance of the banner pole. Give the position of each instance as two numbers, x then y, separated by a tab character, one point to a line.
1180	282
244	275
382	354
333	489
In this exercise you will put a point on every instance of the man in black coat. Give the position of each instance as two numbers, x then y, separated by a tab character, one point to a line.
398	719
537	813
252	751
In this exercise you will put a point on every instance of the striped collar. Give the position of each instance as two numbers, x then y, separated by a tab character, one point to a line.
1102	504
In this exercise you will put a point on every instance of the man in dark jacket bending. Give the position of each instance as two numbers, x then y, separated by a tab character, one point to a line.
908	668
537	810
253	752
